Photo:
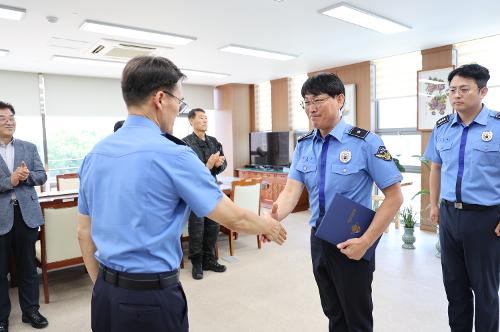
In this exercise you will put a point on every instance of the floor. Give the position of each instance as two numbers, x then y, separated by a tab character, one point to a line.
273	289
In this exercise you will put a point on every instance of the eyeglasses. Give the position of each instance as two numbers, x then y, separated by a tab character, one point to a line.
5	119
316	102
462	90
183	107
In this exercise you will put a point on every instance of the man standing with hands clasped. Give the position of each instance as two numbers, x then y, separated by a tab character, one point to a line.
20	215
465	174
203	231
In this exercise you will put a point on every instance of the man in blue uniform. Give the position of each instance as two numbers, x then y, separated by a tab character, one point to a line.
465	173
136	188
338	158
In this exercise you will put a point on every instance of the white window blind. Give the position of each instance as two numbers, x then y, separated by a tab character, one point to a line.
485	52
296	114
263	115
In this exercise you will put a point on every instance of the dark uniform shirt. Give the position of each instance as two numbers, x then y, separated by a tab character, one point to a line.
205	148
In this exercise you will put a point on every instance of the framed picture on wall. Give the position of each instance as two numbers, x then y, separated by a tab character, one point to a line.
432	97
349	109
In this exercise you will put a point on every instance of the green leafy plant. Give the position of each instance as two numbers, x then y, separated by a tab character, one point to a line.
398	164
408	217
427	164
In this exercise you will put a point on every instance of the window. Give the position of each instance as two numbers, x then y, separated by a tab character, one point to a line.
263	115
298	118
29	128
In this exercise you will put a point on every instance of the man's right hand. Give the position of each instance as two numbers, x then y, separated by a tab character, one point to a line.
435	214
276	233
212	159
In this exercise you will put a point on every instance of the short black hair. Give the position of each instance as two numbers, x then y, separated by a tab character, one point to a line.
118	125
144	75
4	105
478	73
328	83
192	113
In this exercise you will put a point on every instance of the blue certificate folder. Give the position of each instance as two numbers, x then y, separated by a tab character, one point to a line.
346	219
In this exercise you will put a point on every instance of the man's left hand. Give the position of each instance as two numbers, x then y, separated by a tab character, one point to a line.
497	229
24	172
353	248
219	161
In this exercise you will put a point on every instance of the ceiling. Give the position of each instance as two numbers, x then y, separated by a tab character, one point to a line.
291	26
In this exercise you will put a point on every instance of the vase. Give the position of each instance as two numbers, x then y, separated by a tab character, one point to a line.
408	239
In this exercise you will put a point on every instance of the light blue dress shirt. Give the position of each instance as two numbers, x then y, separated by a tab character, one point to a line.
469	157
137	187
349	167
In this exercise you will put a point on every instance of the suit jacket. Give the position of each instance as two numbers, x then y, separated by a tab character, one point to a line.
25	191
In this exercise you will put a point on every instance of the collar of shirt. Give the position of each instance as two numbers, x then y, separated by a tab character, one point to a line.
10	143
481	118
199	139
141	121
337	131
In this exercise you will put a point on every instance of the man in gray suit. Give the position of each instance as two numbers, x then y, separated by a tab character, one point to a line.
20	215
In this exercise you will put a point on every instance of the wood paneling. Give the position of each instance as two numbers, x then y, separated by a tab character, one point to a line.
233	103
279	105
434	58
358	74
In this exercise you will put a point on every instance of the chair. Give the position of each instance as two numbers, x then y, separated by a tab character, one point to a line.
67	181
245	193
58	244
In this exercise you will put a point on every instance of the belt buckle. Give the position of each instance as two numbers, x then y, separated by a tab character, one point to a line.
458	205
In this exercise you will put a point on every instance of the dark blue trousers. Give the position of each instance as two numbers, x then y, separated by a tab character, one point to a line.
470	259
20	240
345	287
117	309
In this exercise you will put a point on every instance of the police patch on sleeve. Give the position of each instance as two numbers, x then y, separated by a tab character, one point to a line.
382	153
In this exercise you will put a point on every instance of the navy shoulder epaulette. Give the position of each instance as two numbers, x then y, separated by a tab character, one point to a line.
442	121
358	132
306	136
174	139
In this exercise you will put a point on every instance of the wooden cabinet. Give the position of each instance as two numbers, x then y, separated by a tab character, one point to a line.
273	184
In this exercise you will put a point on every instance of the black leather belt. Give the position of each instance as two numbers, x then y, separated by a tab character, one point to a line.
139	281
465	206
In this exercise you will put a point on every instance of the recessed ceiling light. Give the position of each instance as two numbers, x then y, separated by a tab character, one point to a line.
4	52
12	13
200	73
363	18
257	52
128	32
86	61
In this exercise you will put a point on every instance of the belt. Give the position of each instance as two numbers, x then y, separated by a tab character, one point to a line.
139	281
14	201
465	206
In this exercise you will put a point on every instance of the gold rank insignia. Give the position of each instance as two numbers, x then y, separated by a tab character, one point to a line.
382	153
355	229
486	136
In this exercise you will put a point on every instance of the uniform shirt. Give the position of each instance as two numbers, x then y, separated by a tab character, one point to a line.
205	148
350	166
469	157
136	186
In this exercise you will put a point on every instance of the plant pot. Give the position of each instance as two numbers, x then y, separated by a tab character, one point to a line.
408	238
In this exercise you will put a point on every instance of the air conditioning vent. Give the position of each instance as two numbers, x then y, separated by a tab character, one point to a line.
120	50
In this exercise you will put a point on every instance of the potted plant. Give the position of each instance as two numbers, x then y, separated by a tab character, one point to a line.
408	218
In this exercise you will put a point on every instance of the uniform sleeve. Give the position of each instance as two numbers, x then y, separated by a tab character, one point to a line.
82	199
194	183
380	165
431	153
294	173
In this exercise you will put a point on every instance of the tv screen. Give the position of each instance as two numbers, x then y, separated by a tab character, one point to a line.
270	148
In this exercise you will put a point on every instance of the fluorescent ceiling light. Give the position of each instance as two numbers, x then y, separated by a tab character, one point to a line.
12	13
257	53
128	32
363	18
199	73
4	52
86	61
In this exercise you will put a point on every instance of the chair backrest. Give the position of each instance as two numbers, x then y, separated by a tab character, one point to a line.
67	181
246	194
61	240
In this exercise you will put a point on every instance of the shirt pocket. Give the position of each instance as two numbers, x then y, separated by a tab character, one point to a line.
444	149
486	153
346	177
308	170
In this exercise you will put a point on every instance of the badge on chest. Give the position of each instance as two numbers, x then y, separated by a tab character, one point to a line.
345	156
486	136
